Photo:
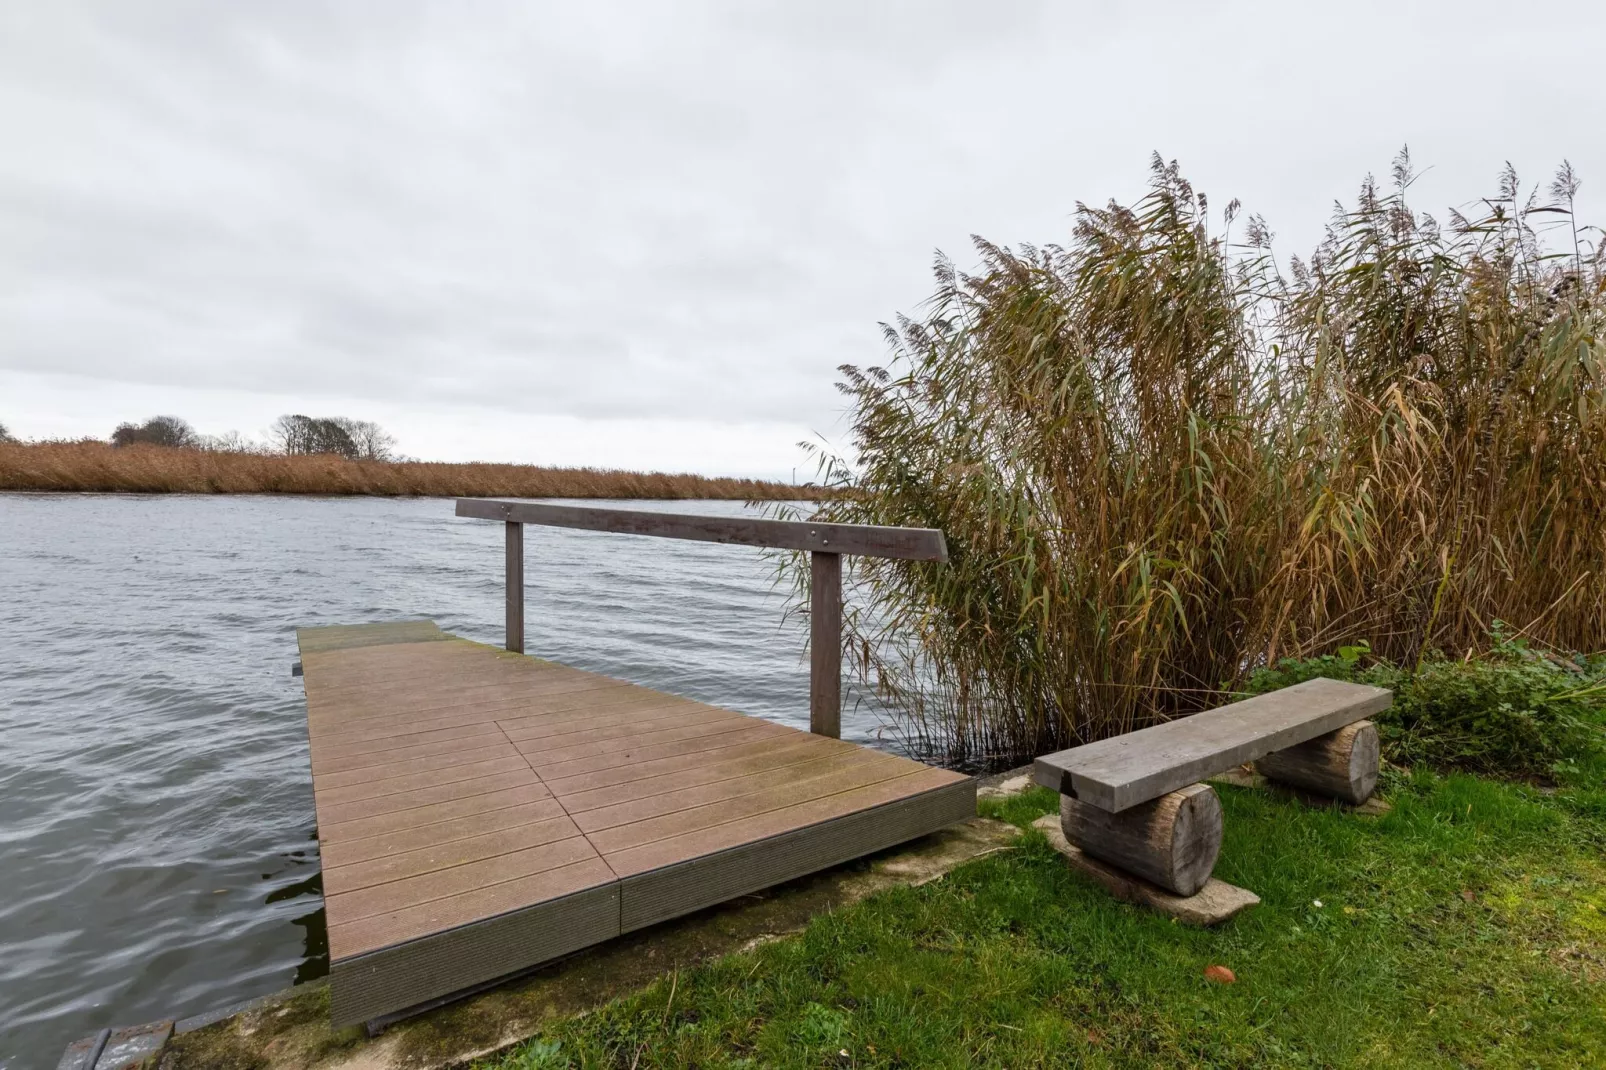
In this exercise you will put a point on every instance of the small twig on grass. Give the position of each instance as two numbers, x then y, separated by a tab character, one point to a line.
673	981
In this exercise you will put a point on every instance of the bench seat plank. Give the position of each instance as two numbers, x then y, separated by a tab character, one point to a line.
1123	771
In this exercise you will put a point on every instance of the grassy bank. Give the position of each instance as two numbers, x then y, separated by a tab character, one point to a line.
94	466
1467	927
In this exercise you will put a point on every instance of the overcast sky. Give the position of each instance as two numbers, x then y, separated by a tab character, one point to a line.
645	235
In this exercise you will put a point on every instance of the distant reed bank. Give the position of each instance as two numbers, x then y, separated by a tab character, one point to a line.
98	467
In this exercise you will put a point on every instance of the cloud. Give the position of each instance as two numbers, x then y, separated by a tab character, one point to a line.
627	215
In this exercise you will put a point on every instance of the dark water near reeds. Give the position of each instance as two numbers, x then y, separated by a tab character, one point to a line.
157	846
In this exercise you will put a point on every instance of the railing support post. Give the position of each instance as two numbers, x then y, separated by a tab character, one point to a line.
515	586
825	644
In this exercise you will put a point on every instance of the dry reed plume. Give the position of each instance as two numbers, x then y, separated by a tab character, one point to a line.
1162	461
95	466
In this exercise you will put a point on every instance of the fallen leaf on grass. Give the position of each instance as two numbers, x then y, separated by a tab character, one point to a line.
1468	894
1220	974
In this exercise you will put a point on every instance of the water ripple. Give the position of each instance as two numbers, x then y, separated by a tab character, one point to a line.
157	853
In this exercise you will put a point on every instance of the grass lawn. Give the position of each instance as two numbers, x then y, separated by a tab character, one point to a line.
1465	928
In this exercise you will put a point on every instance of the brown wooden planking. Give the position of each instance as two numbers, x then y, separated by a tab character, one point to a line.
389	979
488	677
382	664
490	668
641	753
489	735
374	789
475	848
643	857
422	663
725	765
598	771
353	849
490	671
837	782
918	544
509	701
621	711
333	813
430	814
421	701
436	765
395	663
483	901
726	799
373	900
649	726
365	636
695	882
390	742
439	760
483	705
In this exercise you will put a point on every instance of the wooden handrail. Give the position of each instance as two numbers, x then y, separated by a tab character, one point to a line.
826	543
916	544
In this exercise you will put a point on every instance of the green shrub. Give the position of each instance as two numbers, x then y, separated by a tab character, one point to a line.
1513	711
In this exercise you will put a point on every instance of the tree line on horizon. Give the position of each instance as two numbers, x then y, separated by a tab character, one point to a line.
293	434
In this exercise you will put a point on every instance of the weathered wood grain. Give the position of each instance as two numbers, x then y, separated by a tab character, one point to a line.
515	586
917	544
1171	841
1342	765
1213	904
1123	771
825	644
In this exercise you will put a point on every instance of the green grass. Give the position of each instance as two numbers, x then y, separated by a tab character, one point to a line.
1467	927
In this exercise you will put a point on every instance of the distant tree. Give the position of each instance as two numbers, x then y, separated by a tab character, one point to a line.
373	442
157	431
355	440
5	436
227	442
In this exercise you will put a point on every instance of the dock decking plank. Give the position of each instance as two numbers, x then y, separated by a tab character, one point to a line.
431	813
447	883
353	849
333	812
482	812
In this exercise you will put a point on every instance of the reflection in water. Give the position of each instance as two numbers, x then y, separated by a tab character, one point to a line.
292	883
153	774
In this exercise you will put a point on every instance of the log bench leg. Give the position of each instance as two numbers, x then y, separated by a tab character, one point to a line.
1342	765
1171	841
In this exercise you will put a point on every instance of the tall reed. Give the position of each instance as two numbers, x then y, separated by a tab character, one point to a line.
1162	460
95	466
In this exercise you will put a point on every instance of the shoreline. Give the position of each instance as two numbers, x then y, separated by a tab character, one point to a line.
98	468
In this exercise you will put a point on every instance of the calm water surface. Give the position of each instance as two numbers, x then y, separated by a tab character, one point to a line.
158	854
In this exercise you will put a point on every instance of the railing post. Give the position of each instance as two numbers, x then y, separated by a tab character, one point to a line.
515	586
825	644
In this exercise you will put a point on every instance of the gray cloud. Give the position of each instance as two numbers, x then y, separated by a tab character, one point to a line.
688	211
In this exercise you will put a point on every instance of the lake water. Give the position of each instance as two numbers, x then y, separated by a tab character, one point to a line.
158	854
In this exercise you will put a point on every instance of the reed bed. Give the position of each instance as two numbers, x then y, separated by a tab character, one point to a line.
1162	460
98	467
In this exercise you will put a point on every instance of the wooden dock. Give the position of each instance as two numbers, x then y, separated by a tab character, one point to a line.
481	812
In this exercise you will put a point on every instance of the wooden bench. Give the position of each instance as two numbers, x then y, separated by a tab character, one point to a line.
1136	800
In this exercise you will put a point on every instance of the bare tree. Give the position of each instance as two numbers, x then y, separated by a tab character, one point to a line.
372	442
157	431
298	434
228	442
291	433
